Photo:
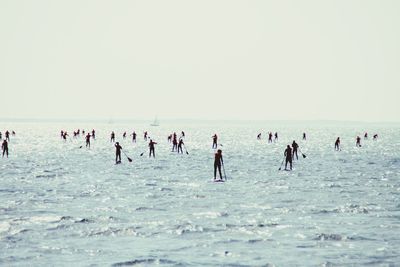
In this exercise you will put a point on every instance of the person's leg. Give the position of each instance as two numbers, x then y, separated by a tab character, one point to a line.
286	162
215	171
219	170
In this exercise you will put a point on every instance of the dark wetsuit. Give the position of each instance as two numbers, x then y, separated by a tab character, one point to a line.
270	138
358	141
304	136
151	146
134	137
93	134
337	144
4	147
217	165
118	153
288	154
295	146
7	135
180	146
174	144
88	140
124	135
215	141
112	137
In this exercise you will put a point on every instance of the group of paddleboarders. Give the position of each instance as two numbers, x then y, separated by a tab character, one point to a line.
290	153
4	144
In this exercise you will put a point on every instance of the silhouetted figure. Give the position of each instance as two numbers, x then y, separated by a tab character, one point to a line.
145	136
218	161
269	137
215	141
65	136
151	147
183	134
288	154
366	135
118	149
180	146
259	136
112	137
134	137
61	134
169	138
7	136
124	135
358	141
304	136
88	140
4	147
276	137
337	144
13	133
174	143
93	134
1	135
295	146
83	132
375	137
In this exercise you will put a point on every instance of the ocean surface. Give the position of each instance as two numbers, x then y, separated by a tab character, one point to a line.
61	205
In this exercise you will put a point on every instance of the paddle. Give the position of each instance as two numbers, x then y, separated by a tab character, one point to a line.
142	154
280	168
223	168
129	159
187	153
304	156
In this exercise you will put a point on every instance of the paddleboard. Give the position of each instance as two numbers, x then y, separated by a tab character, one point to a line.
219	181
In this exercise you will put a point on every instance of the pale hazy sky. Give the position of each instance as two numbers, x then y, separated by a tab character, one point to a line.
312	59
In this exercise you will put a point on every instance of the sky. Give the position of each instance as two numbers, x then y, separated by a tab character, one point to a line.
208	59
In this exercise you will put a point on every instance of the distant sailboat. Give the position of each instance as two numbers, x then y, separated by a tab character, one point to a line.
155	122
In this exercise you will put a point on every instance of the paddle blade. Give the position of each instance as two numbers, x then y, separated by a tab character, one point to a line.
142	154
187	153
80	147
304	156
129	159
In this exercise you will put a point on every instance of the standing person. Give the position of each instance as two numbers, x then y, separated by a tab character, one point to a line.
259	136
218	161
8	136
83	131
13	133
118	149
358	141
366	135
4	147
215	141
183	134
88	140
174	143
65	136
375	137
112	137
270	137
295	146
337	144
276	137
304	136
134	137
1	135
151	146
288	154
93	134
124	135
169	138
180	146
145	136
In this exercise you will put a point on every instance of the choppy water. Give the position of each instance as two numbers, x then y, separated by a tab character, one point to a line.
61	205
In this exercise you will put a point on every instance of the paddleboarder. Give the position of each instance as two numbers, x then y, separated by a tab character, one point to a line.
304	136
358	141
337	144
112	137
295	146
288	154
218	161
151	147
93	134
4	147
88	140
134	137
259	136
118	149
180	146
215	141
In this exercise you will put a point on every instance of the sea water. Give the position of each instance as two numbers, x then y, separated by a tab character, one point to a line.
62	205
